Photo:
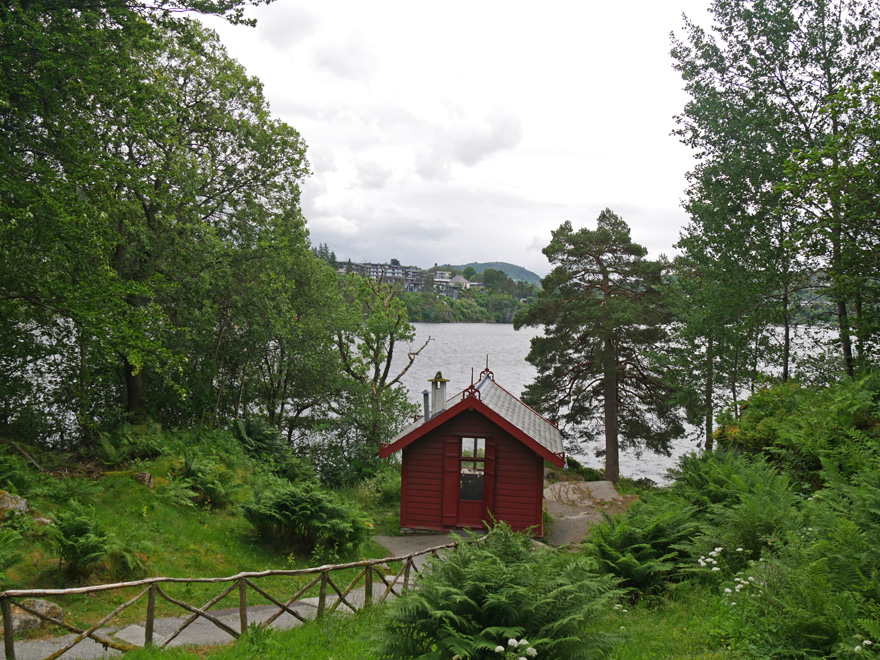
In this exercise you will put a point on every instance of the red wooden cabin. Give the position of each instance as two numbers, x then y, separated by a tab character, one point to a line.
480	455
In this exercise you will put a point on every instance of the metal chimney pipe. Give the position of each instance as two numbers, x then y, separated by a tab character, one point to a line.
438	393
425	401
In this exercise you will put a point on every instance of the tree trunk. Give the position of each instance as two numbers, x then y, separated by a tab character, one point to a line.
845	339
860	357
734	381
135	391
786	337
612	457
707	394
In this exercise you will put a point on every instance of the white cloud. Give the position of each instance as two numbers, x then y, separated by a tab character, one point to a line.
351	59
372	175
469	135
287	25
468	144
501	131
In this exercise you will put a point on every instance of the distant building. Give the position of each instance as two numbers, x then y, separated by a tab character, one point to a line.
411	278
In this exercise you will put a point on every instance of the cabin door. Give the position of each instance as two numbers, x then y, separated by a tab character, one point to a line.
476	481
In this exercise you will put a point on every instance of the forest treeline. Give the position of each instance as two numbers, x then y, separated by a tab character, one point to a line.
496	301
155	262
782	116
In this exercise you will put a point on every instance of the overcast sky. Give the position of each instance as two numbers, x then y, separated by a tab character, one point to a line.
466	131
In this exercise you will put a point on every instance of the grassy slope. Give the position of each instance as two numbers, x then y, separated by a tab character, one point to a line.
199	541
170	540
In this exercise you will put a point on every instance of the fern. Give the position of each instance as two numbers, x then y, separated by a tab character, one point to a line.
10	541
484	593
305	518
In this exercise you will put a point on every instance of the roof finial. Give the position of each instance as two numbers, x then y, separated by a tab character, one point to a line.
486	371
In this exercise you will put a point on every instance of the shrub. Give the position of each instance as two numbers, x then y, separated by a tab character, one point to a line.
177	492
259	438
647	547
214	484
587	473
83	544
341	462
816	595
10	540
384	488
13	472
306	519
801	430
263	442
486	592
737	503
81	541
130	442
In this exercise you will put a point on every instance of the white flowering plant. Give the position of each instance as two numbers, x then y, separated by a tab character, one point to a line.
515	649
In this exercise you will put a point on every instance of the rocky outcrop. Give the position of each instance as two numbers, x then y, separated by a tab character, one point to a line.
23	621
12	505
145	478
575	506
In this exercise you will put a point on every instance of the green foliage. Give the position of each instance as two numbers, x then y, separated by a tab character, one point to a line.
83	543
756	240
10	552
483	593
215	484
150	220
603	318
647	547
722	511
177	493
130	442
373	404
306	519
384	488
803	431
262	442
13	472
588	473
340	459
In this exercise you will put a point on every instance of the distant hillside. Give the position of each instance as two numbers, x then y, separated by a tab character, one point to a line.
513	271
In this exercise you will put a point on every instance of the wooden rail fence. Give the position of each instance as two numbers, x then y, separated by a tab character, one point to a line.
369	569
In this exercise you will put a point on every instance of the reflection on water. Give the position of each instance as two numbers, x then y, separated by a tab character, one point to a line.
457	348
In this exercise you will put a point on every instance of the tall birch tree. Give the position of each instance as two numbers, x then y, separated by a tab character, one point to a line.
758	81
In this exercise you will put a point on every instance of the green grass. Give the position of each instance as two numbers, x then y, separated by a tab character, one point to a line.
678	626
170	541
344	637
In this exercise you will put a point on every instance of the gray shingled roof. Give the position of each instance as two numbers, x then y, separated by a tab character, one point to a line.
510	408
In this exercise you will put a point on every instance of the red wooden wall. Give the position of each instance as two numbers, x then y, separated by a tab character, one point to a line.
518	478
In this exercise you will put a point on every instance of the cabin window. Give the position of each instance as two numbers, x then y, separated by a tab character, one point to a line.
473	468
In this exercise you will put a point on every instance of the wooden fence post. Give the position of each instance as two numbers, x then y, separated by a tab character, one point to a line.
409	563
322	594
151	616
8	632
242	605
368	586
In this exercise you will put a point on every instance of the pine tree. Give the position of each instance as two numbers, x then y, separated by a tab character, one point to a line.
602	316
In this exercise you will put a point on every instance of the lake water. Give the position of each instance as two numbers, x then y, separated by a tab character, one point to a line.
457	348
